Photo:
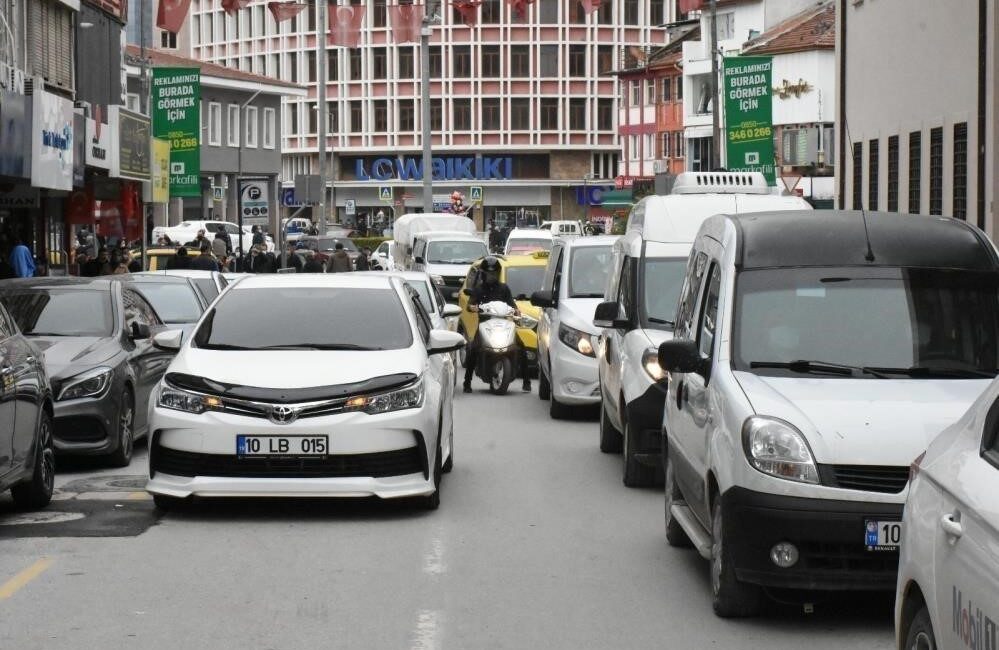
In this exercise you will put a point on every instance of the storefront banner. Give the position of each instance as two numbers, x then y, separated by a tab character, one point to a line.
15	130
21	196
52	141
176	97
161	171
749	133
99	142
254	201
131	159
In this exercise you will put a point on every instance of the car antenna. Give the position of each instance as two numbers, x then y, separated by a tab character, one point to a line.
869	255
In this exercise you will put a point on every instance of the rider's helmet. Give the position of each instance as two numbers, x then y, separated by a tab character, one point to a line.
490	268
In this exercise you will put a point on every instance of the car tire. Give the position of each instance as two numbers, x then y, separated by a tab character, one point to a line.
36	492
920	633
610	438
557	410
729	597
165	503
544	386
449	463
433	501
462	351
499	382
125	434
675	535
635	473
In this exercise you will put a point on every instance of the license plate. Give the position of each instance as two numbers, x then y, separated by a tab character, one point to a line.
882	535
282	445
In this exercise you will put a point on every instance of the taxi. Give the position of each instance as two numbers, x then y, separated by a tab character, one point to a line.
158	257
524	274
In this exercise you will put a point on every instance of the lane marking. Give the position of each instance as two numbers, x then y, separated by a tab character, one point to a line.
427	630
139	496
433	560
14	585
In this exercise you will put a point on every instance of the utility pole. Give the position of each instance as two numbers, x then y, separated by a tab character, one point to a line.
321	35
715	104
428	168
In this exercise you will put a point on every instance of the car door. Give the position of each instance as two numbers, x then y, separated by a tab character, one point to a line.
613	339
440	372
8	399
548	322
30	386
148	363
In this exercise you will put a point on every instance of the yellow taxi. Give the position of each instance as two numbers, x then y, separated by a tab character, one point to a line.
158	257
524	274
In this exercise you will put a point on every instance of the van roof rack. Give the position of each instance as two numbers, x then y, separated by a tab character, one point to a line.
720	183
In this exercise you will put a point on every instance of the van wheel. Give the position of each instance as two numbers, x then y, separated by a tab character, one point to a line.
920	634
729	597
37	492
610	438
544	386
675	535
635	473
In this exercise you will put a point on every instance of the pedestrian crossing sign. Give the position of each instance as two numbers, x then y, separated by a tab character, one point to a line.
475	194
385	193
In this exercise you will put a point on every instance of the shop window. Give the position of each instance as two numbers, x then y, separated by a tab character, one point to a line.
893	173
959	209
915	171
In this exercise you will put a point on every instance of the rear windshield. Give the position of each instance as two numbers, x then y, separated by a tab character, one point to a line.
335	319
61	312
524	280
515	246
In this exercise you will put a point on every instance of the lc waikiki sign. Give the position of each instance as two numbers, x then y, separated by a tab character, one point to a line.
444	169
176	101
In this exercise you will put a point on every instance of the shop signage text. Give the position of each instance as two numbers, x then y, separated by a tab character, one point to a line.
52	144
749	132
444	169
176	97
132	159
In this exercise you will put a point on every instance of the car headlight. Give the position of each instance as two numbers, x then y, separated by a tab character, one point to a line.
650	361
577	340
527	321
181	400
92	383
776	448
437	279
408	397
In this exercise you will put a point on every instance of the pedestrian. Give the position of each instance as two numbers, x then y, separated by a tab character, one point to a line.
180	260
293	260
312	263
119	264
340	260
221	244
100	265
196	242
258	261
21	260
205	261
258	236
362	263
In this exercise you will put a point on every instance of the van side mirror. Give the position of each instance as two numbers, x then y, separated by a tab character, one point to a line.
682	356
608	316
542	299
418	260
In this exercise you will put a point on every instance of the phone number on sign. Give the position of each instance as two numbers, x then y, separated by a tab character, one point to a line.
740	135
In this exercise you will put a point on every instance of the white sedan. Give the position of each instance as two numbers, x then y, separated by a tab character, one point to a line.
948	579
349	402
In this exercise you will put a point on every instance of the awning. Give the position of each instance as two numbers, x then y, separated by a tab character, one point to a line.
617	198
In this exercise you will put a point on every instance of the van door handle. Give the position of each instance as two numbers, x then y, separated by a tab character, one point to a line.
952	526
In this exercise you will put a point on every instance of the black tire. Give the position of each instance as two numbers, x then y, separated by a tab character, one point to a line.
675	535
635	473
125	434
36	492
499	383
433	502
544	386
164	502
449	463
920	633
557	410
729	597
610	438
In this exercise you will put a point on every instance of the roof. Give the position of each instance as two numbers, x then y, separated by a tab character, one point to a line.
215	71
836	238
583	242
315	281
531	259
812	29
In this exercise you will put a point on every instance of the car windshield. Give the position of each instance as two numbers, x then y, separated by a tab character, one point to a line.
173	302
524	280
61	312
265	318
662	280
889	321
588	271
455	252
421	288
515	246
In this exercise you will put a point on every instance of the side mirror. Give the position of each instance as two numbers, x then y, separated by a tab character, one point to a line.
444	342
608	316
140	331
450	311
542	299
168	341
681	356
418	260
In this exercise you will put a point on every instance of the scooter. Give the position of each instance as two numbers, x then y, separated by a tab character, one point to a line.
498	346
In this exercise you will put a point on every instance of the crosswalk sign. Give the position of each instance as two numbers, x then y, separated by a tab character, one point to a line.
475	194
385	193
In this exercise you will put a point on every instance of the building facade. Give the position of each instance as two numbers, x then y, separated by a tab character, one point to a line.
524	108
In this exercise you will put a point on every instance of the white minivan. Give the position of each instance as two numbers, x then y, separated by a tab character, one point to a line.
640	301
815	356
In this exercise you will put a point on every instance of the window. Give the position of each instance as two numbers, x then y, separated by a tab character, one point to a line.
605	15
549	61
490	60
577	60
666	88
252	127
605	59
936	170
636	92
232	126
462	115
132	102
679	89
214	124
407	114
293	119
381	115
665	143
436	64
576	14
657	13
858	175
406	69
332	65
626	289
422	318
630	12
491	12
168	40
577	113
650	91
436	114
549	113
379	13
605	114
520	113
679	145
355	64
700	154
293	67
548	12
725	26
50	41
520	61
688	295
709	314
356	116
491	114
915	171
959	210
379	60
270	128
650	146
893	173
873	174
310	63
461	65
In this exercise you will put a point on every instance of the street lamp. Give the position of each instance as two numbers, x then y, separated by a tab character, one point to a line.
239	167
429	18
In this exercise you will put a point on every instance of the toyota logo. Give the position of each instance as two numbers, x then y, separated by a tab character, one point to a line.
282	414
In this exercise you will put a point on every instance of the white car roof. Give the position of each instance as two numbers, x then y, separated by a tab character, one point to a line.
582	242
408	276
317	280
529	233
185	273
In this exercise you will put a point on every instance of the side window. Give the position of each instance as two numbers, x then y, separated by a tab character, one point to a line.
626	288
557	282
422	319
688	295
552	270
7	326
137	310
438	299
382	248
709	313
418	249
232	229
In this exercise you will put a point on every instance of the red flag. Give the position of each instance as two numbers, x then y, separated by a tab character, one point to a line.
468	10
589	6
285	10
345	25
686	6
172	14
406	22
232	6
520	6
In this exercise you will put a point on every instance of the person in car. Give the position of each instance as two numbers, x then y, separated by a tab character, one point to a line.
340	261
490	289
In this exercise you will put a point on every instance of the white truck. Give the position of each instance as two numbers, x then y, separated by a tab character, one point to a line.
443	245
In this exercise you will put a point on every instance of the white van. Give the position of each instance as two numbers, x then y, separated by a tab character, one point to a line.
640	302
443	245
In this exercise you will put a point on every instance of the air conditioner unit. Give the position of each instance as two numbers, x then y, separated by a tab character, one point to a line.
721	183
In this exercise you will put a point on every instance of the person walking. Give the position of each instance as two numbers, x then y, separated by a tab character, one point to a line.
340	260
362	263
205	261
258	236
221	244
22	261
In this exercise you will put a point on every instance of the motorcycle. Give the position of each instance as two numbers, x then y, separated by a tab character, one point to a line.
498	345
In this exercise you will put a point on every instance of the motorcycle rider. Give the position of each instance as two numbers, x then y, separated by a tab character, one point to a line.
490	290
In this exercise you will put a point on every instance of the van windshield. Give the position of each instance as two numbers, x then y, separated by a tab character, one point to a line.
588	271
890	322
662	280
455	252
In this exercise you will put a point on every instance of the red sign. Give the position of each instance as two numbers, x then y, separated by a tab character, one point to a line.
624	182
686	6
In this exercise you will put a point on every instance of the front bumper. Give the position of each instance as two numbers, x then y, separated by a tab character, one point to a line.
645	417
575	377
87	426
829	535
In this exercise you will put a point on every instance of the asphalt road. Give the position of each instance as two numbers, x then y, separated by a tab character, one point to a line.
537	545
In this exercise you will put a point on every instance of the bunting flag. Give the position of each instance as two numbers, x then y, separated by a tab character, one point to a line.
345	25
233	6
589	6
469	10
172	14
686	6
406	22
286	10
519	7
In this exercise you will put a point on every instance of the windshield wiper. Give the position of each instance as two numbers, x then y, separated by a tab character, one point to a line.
929	371
805	366
320	346
661	321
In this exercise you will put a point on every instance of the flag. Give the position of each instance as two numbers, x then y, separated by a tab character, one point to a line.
172	14
406	23
285	10
686	6
345	25
232	6
589	6
519	7
468	10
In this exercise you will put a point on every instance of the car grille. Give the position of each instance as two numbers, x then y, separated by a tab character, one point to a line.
847	557
869	478
380	464
79	429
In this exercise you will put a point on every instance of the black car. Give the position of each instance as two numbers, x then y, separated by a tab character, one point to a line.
27	459
95	335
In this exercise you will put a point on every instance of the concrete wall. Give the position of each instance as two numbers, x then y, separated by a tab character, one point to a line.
225	158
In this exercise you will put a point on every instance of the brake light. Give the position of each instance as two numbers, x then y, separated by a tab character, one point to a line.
914	467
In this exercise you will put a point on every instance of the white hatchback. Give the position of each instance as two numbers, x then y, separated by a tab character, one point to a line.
948	576
263	401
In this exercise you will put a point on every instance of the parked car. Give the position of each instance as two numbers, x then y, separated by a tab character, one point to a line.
523	241
382	258
948	572
324	247
176	300
567	339
208	283
27	457
187	231
94	334
815	355
563	228
346	402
